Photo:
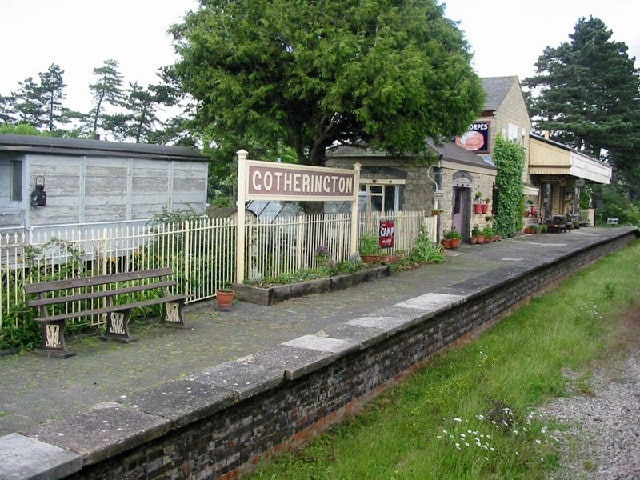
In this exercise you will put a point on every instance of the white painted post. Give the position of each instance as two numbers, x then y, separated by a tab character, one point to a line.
241	204
353	242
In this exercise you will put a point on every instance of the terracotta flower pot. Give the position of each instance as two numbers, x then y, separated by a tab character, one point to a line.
370	258
225	299
454	243
477	208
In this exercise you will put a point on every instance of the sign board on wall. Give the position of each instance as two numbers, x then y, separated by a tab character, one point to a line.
386	233
476	139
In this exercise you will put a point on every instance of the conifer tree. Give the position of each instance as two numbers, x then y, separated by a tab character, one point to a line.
586	94
107	91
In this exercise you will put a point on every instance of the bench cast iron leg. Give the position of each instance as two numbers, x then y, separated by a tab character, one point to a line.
118	327
172	313
53	343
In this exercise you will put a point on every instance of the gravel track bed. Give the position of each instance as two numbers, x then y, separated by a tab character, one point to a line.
602	439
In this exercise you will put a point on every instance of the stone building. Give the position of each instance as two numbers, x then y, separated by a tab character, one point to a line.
505	113
392	184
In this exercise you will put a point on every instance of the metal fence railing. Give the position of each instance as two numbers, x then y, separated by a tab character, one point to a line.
202	253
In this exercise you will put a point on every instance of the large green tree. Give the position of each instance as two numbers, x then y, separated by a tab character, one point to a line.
586	94
385	73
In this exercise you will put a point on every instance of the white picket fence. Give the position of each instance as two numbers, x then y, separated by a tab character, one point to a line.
200	252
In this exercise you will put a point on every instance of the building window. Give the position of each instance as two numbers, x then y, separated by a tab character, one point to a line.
16	180
382	198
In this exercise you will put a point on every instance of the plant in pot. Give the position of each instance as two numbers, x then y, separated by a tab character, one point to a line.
454	238
369	248
477	203
225	296
484	207
476	236
488	234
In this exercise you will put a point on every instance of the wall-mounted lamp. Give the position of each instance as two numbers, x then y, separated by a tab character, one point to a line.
39	196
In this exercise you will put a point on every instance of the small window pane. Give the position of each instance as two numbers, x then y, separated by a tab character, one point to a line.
16	180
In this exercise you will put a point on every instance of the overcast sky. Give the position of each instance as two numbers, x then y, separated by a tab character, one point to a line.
506	36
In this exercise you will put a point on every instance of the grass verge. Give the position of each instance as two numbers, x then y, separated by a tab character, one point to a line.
468	414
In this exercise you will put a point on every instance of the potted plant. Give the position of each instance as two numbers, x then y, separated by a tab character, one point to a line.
476	236
369	248
225	296
484	207
477	203
454	238
488	234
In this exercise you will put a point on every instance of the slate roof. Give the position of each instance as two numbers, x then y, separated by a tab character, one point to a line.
454	153
73	146
497	89
448	150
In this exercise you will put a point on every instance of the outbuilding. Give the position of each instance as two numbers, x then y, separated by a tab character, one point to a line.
47	181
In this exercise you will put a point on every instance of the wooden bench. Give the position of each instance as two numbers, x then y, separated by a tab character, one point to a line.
87	296
557	225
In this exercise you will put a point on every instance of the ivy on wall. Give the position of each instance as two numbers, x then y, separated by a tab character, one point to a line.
510	159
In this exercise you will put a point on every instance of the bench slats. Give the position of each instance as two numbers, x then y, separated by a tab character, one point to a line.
54	285
113	308
41	302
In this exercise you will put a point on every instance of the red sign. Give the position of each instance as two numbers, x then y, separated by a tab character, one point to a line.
386	233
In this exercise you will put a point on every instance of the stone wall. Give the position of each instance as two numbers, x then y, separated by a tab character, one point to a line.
226	419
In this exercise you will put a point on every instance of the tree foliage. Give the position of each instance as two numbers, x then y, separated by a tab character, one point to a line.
510	160
586	94
28	106
138	113
52	93
311	74
38	102
107	91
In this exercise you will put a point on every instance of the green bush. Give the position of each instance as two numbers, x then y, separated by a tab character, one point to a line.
20	332
369	244
424	250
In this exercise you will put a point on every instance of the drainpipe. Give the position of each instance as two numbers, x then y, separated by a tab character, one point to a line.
437	195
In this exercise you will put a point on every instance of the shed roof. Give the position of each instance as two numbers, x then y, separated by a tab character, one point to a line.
497	89
73	146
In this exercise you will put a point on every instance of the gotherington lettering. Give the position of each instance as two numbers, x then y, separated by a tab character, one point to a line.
267	181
